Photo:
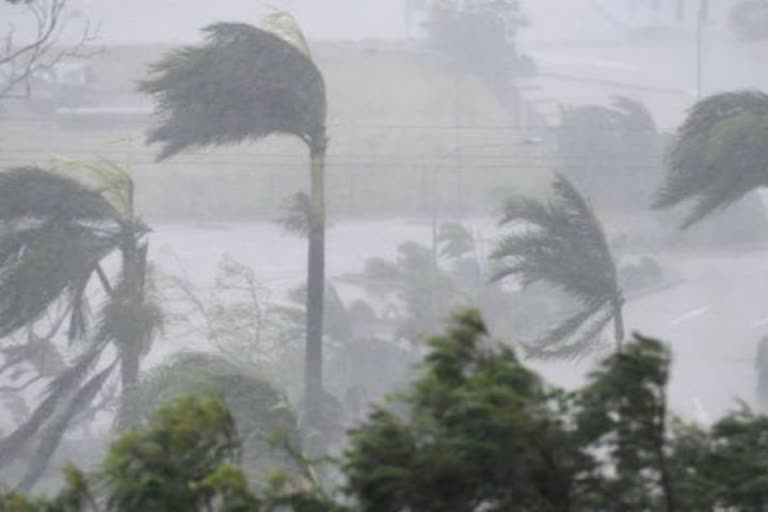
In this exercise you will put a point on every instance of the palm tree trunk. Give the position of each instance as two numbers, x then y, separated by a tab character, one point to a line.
313	375
130	350
618	324
130	361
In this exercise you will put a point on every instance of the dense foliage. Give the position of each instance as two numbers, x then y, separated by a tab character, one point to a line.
476	430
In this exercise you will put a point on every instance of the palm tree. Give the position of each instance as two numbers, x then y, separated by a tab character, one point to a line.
564	244
719	155
244	84
57	234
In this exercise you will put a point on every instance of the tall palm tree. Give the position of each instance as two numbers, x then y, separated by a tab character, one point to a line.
244	84
563	244
720	154
57	234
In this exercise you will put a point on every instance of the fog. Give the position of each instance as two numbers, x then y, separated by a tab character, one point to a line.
428	134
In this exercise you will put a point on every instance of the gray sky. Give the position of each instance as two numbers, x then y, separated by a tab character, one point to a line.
124	21
180	20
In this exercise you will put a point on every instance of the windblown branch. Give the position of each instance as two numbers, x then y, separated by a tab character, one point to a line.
19	63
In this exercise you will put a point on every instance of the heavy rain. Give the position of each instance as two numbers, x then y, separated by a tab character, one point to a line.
383	255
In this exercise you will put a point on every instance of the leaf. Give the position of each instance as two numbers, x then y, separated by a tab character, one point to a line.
34	193
283	24
38	265
112	181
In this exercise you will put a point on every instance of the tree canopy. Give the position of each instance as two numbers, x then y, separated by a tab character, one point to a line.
202	91
474	429
719	154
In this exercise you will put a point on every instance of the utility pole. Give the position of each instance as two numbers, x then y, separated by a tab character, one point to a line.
702	20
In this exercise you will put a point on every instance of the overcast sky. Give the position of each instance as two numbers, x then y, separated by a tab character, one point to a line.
130	21
180	20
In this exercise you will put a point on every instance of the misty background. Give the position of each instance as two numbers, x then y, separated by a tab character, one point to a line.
417	145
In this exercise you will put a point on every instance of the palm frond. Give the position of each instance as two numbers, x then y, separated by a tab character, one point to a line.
34	193
527	210
58	391
81	311
570	325
38	265
38	351
564	244
51	436
719	154
283	24
584	223
575	336
112	181
243	84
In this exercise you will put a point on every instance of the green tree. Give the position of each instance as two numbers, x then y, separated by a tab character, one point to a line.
185	459
475	430
258	410
623	412
563	243
58	233
480	428
719	154
244	84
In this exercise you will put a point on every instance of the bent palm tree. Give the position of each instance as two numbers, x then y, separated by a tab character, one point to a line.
245	84
564	244
57	234
720	154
